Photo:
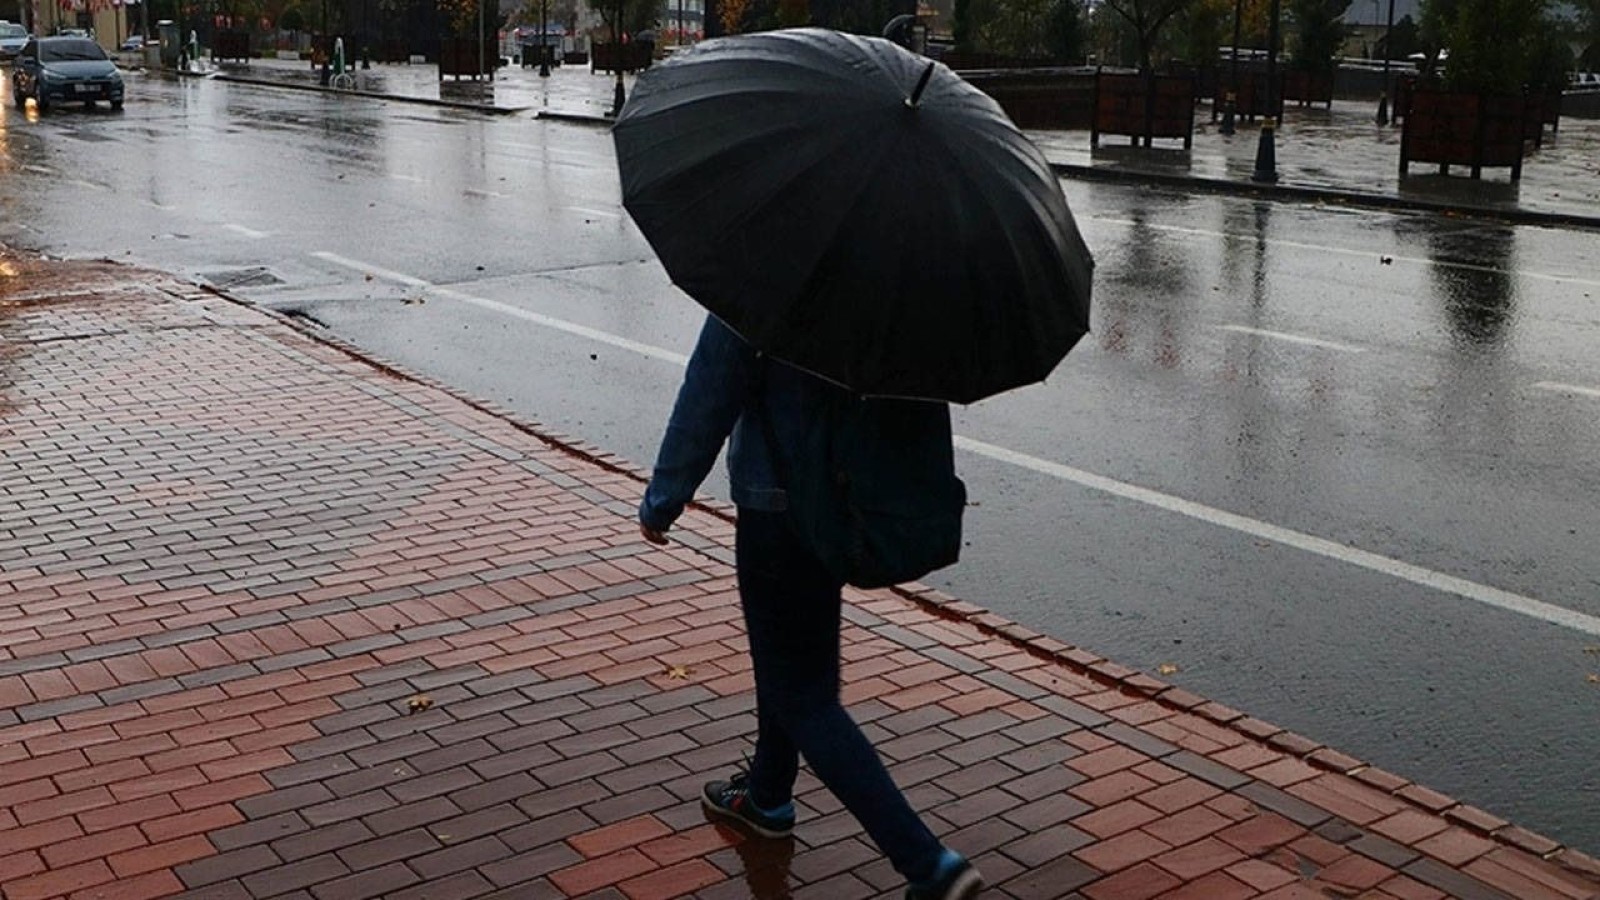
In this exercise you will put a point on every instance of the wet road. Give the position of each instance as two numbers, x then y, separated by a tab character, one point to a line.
1336	468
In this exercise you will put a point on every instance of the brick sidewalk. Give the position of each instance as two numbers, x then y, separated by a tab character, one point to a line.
278	621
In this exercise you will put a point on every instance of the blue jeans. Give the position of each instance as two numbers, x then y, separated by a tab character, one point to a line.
791	611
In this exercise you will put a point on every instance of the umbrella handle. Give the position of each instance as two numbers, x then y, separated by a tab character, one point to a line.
916	93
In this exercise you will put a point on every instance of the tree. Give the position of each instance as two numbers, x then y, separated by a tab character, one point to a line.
1588	33
1402	41
1066	31
730	14
1491	43
1319	33
1202	28
1146	19
961	26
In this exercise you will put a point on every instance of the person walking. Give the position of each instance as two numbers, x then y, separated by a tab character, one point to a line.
791	604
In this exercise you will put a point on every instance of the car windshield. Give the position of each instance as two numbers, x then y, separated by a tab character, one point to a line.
64	51
9	30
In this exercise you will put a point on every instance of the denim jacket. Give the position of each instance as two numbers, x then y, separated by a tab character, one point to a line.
720	385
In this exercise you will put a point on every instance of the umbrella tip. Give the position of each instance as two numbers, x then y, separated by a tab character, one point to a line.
916	93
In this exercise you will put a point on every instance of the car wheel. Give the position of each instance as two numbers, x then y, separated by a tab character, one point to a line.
88	104
116	104
18	96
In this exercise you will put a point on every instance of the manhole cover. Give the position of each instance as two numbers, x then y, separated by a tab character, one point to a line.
255	276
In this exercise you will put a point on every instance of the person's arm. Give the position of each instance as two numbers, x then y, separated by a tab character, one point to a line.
713	393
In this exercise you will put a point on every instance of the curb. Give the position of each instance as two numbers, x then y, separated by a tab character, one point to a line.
1075	659
375	95
1277	192
1299	193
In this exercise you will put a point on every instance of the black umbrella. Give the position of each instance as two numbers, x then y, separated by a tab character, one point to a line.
856	210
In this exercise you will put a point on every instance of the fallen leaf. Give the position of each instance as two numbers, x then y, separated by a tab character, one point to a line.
1166	669
1593	678
678	672
1592	649
419	703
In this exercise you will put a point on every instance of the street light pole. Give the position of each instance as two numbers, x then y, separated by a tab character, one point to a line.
618	96
1231	102
1383	96
544	37
1266	151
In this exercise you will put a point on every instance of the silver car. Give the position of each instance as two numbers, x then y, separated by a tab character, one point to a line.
13	38
65	70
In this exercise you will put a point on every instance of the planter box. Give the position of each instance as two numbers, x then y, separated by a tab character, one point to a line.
1040	98
1455	128
1143	106
1544	108
234	45
1307	88
459	57
634	56
1251	100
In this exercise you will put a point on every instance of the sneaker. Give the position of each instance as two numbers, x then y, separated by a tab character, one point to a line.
731	800
958	880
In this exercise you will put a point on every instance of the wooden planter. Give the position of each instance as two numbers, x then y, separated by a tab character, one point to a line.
1453	128
1251	99
1306	88
1143	106
634	56
1544	108
234	45
459	57
1039	98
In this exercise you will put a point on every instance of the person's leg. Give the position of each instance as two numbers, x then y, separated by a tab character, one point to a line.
791	608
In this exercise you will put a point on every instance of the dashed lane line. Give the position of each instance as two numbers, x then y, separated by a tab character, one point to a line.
1293	338
1558	387
574	328
1346	251
1461	587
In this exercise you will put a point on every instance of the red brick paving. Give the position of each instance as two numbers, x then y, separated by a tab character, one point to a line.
276	620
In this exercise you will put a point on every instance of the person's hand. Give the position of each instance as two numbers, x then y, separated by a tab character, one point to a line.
659	538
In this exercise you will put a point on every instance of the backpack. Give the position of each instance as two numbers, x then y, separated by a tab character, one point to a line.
872	488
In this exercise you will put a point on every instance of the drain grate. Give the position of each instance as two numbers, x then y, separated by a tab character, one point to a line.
255	276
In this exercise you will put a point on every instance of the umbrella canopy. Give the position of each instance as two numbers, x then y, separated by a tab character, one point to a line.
856	210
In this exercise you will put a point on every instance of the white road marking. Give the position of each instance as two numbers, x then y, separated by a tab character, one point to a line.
1567	388
1461	587
1367	254
594	212
411	178
1471	590
479	192
247	232
584	331
1292	338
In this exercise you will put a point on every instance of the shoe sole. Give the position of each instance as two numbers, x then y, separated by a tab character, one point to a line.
732	816
965	887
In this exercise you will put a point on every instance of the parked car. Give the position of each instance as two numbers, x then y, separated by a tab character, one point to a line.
12	39
65	70
134	42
